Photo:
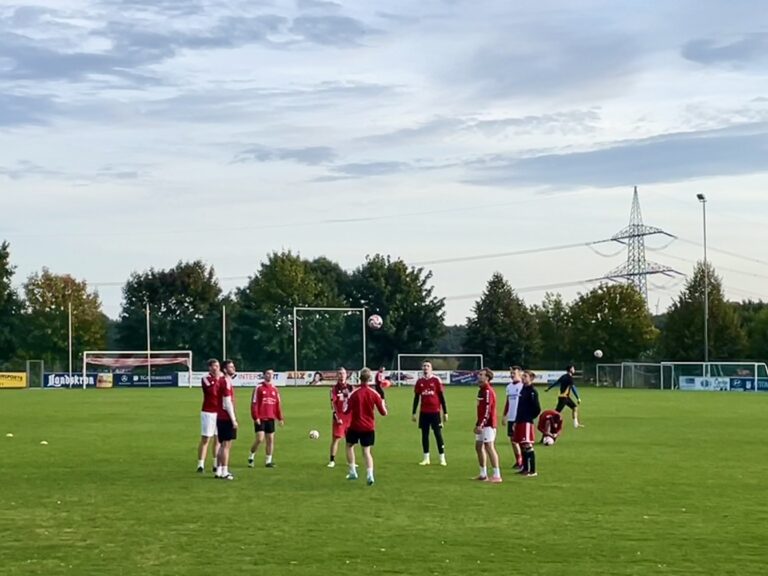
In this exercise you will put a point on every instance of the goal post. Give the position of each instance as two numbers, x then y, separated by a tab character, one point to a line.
459	367
325	316
121	360
718	376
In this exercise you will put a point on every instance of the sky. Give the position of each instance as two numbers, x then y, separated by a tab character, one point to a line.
453	134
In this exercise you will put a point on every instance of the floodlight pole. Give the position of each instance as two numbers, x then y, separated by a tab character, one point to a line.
295	350
69	333
223	333
703	199
365	346
149	351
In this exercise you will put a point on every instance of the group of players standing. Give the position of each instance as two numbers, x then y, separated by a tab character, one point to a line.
353	418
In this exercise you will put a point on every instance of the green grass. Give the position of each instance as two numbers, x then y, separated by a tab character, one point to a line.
657	483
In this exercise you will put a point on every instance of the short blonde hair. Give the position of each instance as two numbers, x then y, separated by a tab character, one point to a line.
365	375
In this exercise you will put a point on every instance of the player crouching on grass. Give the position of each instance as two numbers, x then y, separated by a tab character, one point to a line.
528	408
226	421
550	425
265	410
339	396
362	424
485	427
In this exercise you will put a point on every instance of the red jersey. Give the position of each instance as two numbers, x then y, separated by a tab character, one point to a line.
210	386
339	395
225	390
555	422
486	407
265	403
429	390
360	407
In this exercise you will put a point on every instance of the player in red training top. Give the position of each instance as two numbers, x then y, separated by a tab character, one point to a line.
210	385
362	423
429	390
265	410
485	427
339	395
380	381
550	425
226	420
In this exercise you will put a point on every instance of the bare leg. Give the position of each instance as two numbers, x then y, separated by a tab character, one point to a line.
257	442
202	448
481	458
351	461
493	455
368	463
334	447
270	446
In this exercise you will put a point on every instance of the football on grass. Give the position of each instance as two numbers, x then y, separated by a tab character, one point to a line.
314	434
375	322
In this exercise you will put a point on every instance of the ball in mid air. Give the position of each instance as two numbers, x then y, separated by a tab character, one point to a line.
375	322
314	434
598	354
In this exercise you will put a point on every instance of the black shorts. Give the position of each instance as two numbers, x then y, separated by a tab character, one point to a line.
511	428
225	430
562	402
365	438
427	420
266	426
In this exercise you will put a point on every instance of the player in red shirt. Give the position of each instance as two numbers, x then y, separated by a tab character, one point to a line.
429	390
339	394
265	410
210	386
485	427
380	381
362	424
550	425
226	420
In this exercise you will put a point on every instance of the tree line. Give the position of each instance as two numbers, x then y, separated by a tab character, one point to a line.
187	303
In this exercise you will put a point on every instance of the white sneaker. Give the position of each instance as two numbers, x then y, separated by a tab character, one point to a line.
424	462
250	463
228	477
331	464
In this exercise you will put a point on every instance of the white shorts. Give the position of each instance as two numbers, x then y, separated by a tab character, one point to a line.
208	424
486	436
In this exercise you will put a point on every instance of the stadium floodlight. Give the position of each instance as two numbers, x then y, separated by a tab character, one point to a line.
703	199
121	359
343	310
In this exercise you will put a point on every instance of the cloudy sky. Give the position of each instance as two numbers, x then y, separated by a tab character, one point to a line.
134	133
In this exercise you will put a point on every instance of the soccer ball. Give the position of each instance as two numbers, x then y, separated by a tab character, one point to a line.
598	354
314	434
548	441
375	322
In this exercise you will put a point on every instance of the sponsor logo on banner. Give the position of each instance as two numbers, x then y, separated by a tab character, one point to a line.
464	377
143	381
749	384
64	380
242	380
13	380
699	383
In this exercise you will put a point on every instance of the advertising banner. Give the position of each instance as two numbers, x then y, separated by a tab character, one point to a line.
749	385
13	379
64	380
700	383
142	380
242	380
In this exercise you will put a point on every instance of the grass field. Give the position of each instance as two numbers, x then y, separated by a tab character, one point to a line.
656	483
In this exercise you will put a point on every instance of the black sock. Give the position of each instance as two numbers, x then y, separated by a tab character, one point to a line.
532	462
526	457
333	458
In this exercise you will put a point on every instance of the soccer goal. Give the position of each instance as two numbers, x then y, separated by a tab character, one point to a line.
325	338
450	368
118	367
720	376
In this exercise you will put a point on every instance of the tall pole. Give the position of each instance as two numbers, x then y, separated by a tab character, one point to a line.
223	333
295	350
703	199
149	351
69	332
365	341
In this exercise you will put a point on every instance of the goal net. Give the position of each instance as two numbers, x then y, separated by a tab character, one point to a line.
450	368
325	339
109	368
719	376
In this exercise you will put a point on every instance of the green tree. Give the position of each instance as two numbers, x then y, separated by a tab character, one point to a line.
682	338
403	296
613	318
262	326
46	319
553	324
501	327
185	310
452	340
10	308
758	336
